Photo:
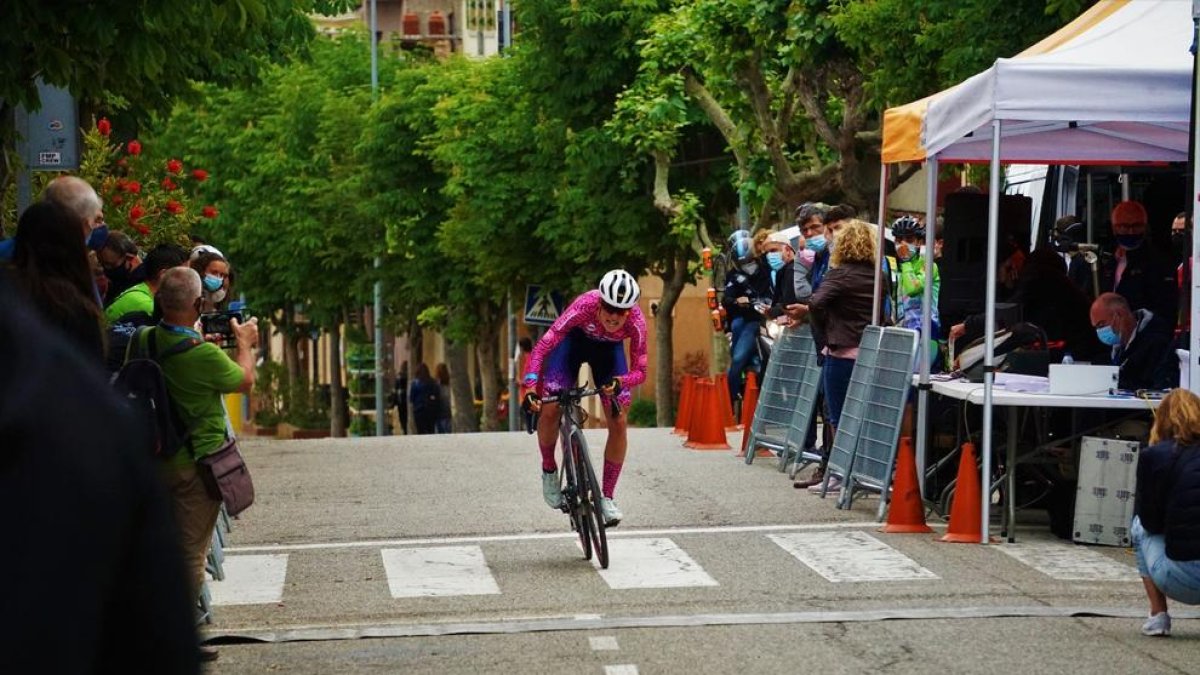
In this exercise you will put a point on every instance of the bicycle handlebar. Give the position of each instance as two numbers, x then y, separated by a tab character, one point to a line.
571	396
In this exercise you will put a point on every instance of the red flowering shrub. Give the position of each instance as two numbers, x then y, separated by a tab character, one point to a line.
153	202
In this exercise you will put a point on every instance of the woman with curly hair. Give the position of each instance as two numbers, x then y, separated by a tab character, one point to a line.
841	310
1166	520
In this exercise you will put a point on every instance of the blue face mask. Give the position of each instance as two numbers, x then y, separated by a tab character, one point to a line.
816	244
1129	241
97	237
775	260
1108	336
213	284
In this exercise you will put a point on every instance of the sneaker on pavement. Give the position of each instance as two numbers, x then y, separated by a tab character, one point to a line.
835	486
815	479
1158	625
612	515
551	490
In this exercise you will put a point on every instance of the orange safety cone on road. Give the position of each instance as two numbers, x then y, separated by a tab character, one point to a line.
683	416
965	513
749	403
906	512
722	382
707	430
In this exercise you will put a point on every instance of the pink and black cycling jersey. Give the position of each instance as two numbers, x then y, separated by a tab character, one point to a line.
579	324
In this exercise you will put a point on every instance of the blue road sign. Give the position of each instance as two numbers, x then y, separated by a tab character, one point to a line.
542	306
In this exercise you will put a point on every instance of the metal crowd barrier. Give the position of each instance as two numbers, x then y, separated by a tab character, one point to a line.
788	386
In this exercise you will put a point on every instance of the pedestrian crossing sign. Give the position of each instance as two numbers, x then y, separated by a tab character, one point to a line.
542	306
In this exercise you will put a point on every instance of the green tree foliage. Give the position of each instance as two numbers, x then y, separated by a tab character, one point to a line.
908	49
145	54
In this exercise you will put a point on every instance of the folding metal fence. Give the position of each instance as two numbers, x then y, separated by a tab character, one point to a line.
864	448
791	374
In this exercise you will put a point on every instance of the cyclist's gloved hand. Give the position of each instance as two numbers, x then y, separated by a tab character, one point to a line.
532	402
612	388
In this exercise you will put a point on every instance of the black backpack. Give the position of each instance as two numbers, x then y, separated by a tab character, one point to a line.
141	383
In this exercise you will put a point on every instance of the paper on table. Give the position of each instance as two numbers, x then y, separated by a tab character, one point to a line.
1030	384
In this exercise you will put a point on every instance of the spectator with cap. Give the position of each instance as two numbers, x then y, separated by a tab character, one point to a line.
122	265
52	269
747	284
1138	270
215	273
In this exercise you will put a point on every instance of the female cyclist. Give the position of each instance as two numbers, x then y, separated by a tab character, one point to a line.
592	330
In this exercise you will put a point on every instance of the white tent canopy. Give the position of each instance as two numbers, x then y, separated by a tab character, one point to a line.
1114	86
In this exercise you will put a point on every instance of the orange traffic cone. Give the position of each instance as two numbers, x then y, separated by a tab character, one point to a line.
722	382
707	431
965	515
906	513
683	416
749	403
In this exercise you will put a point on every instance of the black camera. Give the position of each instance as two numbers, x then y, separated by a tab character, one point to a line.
219	323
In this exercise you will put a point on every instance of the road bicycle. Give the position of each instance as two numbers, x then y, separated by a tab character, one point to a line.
580	489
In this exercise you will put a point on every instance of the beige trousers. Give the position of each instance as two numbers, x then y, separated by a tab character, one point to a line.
196	515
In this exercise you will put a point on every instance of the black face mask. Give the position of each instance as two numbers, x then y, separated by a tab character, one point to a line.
1181	242
117	275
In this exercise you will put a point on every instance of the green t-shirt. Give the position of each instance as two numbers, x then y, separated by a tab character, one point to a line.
136	298
196	379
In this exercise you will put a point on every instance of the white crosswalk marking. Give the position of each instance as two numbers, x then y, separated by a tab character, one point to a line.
438	571
1067	562
850	556
624	669
250	580
605	643
651	563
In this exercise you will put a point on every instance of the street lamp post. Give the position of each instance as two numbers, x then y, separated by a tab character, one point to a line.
380	406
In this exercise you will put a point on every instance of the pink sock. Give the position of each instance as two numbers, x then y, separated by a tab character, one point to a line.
548	463
612	471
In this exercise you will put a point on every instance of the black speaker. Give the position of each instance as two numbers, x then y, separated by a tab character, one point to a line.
963	266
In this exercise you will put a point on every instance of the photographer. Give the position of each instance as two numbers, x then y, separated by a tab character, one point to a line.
746	284
196	380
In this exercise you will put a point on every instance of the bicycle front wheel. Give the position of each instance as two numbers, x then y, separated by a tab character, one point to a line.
589	498
572	493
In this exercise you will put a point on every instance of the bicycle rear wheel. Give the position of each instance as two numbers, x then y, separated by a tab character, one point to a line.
572	495
590	496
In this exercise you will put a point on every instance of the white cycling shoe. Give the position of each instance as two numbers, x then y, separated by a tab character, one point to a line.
551	490
612	515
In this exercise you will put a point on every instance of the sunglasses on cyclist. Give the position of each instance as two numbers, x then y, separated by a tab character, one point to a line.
609	309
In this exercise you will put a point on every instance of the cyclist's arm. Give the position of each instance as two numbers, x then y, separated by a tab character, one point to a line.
639	361
575	314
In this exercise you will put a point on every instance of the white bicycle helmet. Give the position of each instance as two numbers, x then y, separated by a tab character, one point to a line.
619	289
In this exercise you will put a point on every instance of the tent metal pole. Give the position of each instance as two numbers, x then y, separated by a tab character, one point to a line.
989	331
927	300
1194	261
877	303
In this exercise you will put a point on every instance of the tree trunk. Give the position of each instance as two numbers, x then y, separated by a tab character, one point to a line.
337	398
488	348
462	401
674	278
291	355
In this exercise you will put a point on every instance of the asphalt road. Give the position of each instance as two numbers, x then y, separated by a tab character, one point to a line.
436	554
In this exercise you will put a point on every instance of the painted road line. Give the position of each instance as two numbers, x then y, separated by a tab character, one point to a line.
605	643
438	571
542	536
250	580
850	556
1067	562
651	563
624	669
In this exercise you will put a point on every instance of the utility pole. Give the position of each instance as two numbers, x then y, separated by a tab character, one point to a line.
380	405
